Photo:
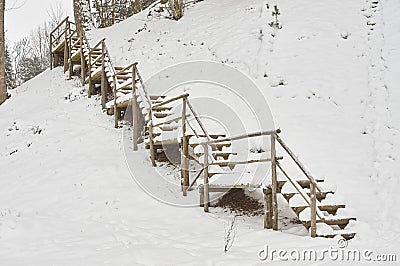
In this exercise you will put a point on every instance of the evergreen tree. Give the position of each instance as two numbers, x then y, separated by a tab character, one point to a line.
30	67
10	75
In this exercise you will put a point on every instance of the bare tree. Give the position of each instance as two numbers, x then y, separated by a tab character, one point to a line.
3	88
56	13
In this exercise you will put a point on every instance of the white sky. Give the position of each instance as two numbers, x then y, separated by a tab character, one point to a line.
20	22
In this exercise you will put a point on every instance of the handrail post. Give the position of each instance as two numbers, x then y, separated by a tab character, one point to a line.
90	75
83	64
267	208
115	103
135	111
151	136
274	185
51	51
70	65
103	76
205	188
184	151
313	209
66	46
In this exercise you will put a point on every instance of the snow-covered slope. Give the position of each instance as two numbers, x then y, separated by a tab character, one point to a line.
66	195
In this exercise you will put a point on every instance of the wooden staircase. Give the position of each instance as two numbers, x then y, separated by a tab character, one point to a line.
173	132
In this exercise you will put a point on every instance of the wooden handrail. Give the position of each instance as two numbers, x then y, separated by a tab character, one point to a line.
251	135
109	62
59	25
185	95
124	69
170	121
97	59
143	86
301	192
203	128
62	34
228	163
97	45
297	161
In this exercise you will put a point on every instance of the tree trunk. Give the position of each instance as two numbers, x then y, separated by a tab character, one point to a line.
3	88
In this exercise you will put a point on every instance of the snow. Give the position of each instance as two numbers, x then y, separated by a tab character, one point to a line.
68	197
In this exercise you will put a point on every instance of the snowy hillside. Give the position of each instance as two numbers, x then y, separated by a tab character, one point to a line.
330	75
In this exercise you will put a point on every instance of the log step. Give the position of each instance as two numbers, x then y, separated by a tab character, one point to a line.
343	233
162	108
320	195
331	209
342	222
156	97
303	183
161	115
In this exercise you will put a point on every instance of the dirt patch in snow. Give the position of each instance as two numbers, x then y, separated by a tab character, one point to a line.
237	201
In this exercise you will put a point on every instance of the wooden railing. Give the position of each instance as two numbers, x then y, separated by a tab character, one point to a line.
151	126
273	158
311	200
187	111
271	219
61	35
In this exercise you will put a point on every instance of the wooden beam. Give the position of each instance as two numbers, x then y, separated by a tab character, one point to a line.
206	193
195	179
152	151
313	210
184	150
115	104
274	185
103	78
135	112
297	161
83	62
51	51
203	128
171	100
268	212
229	163
170	121
251	135
90	77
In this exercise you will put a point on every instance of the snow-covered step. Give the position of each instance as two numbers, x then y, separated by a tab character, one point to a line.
320	195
